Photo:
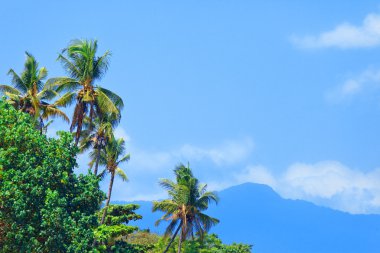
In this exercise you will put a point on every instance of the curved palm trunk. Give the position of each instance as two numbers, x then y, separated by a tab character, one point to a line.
81	113
173	237
79	130
109	198
179	243
97	160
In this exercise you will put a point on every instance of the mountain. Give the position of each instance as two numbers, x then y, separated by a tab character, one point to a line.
255	214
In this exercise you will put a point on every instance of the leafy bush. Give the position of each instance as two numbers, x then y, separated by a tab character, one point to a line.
210	244
44	205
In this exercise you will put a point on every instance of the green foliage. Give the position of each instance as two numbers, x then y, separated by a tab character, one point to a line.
30	94
118	214
84	68
44	206
188	200
125	247
210	244
143	238
111	234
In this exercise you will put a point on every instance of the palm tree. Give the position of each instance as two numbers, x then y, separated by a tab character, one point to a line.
96	136
188	200
30	94
112	156
84	69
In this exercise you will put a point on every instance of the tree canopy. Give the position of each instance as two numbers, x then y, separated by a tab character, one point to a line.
44	205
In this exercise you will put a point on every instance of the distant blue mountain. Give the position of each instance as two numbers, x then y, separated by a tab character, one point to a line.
255	214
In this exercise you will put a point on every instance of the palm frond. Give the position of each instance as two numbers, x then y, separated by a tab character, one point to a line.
47	94
170	229
101	65
167	184
108	104
6	88
126	158
121	174
62	84
207	221
205	199
102	174
42	74
18	82
116	99
52	111
70	67
66	100
167	205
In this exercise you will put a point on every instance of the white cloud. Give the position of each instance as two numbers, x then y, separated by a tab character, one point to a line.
367	80
119	132
328	183
227	153
345	36
257	174
146	166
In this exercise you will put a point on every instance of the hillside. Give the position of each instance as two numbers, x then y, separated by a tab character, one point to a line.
255	214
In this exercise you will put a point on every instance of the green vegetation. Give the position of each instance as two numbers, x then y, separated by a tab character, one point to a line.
46	207
188	198
84	68
110	157
115	227
29	94
209	244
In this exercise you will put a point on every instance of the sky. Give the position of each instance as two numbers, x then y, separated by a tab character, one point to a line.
284	93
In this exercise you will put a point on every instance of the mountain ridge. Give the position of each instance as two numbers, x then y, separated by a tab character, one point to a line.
255	214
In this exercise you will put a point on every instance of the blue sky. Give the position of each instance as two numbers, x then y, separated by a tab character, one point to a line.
285	93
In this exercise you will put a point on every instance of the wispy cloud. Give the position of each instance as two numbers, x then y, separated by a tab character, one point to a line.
227	153
367	80
147	166
345	35
119	132
328	183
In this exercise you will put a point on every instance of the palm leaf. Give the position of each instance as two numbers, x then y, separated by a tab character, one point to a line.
63	84
116	99
121	174
6	88
126	158
66	100
101	65
18	82
51	111
42	73
69	66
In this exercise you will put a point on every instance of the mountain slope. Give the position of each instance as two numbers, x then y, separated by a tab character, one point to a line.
255	214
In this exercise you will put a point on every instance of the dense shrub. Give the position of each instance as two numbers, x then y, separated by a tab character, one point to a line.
44	205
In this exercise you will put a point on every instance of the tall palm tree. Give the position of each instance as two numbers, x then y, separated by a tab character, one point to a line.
96	136
30	94
112	156
184	209
84	69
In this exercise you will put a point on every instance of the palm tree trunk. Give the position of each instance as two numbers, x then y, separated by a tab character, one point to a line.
179	243
79	130
97	160
109	197
172	239
80	122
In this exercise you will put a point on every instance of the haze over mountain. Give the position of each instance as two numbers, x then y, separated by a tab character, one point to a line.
255	214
